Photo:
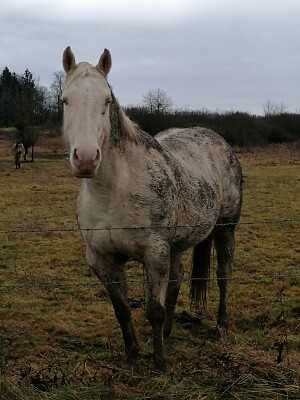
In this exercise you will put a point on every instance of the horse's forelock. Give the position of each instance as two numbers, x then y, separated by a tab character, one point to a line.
82	70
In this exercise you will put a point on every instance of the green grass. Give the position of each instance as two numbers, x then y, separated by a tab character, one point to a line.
10	129
59	338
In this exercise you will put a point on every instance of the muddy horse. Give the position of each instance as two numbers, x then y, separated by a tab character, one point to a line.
148	199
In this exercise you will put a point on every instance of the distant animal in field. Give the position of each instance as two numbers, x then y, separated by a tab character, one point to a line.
148	199
18	151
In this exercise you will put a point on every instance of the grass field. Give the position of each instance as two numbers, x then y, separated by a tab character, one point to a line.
58	335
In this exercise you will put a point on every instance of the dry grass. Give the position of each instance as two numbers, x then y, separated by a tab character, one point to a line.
58	335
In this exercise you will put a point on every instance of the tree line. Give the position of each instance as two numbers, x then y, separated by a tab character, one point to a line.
27	106
238	128
30	107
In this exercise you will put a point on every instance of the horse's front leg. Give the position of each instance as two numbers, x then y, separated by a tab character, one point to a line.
110	272
157	263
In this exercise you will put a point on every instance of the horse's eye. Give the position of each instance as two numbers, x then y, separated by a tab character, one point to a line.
107	101
65	101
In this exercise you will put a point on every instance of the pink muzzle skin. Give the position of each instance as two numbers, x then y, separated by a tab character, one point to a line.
85	161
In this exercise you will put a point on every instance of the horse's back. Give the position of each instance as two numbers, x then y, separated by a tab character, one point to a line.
208	170
195	142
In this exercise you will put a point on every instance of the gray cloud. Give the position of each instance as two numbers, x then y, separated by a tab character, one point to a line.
226	55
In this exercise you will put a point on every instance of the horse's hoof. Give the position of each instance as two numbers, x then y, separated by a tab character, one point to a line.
160	365
131	357
222	331
131	364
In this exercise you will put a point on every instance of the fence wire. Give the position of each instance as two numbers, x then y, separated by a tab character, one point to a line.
55	285
152	227
242	279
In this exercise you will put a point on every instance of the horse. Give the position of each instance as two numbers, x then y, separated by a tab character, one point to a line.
148	199
18	151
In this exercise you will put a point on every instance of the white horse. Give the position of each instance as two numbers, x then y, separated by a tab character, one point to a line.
18	151
148	199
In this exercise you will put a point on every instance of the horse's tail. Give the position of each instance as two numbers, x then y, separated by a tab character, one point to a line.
200	272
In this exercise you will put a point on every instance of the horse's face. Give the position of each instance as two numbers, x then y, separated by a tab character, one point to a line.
86	98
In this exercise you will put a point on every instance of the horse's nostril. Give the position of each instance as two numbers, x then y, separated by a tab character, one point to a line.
75	154
97	155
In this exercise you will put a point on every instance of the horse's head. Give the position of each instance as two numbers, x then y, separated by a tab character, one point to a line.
86	98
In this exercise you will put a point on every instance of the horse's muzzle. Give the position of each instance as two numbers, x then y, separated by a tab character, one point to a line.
85	162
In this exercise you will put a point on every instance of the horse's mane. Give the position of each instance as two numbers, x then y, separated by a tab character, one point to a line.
121	126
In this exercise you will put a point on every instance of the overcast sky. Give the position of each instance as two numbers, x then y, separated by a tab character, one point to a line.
215	54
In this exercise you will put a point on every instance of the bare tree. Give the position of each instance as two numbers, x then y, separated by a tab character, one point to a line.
157	101
271	108
56	88
43	101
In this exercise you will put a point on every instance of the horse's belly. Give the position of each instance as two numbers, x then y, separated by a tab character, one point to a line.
183	242
190	233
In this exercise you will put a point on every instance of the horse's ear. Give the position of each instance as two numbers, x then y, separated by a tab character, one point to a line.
104	64
69	62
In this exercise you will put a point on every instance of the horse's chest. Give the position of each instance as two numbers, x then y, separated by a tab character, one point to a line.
96	211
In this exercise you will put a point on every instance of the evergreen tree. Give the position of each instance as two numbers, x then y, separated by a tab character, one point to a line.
9	97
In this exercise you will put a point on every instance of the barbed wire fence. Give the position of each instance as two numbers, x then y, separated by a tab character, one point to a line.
293	222
255	277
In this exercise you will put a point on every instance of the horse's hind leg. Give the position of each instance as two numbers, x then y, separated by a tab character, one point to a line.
157	263
175	278
110	272
224	240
